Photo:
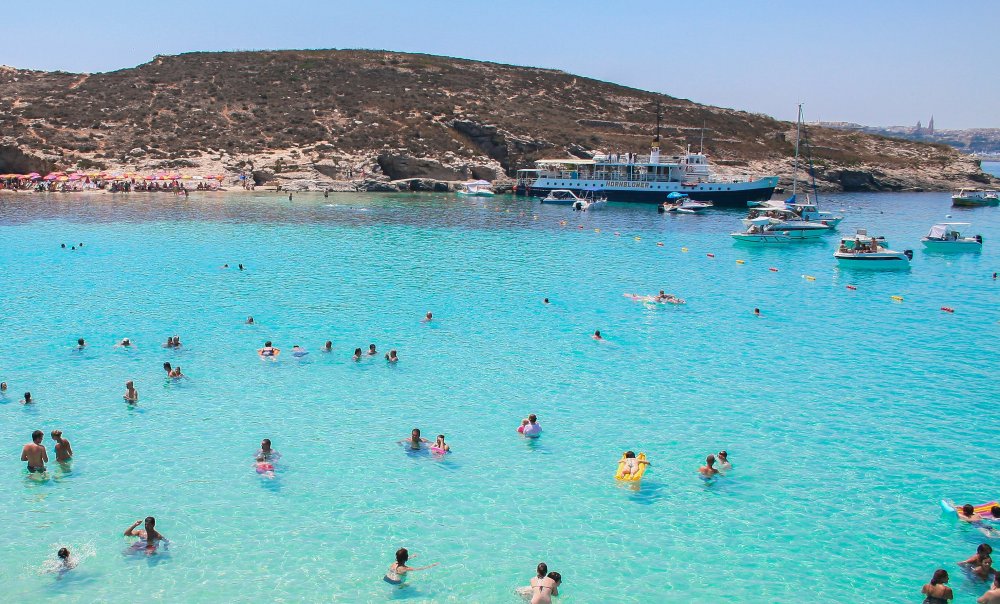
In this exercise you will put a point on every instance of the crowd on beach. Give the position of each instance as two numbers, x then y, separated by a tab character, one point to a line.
121	183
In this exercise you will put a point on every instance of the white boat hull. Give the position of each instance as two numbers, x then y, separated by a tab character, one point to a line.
952	245
477	193
879	261
761	239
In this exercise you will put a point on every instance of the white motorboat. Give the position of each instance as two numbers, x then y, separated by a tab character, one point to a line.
945	237
808	210
561	197
682	204
866	252
789	222
590	204
761	231
477	188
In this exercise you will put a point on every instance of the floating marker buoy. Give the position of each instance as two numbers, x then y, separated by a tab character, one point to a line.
684	249
947	309
638	238
597	230
808	277
773	270
710	255
898	298
534	217
741	262
580	226
851	287
617	234
659	244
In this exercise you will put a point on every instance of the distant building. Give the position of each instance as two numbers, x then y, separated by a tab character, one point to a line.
930	127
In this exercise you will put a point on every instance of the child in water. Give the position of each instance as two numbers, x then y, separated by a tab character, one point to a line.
440	444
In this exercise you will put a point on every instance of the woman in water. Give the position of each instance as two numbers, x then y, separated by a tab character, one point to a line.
981	564
328	347
630	465
397	571
937	591
357	354
440	444
169	343
544	589
724	461
391	356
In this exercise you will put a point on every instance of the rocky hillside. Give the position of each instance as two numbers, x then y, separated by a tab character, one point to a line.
311	118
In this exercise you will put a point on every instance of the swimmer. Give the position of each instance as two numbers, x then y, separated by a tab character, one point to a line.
241	267
65	562
756	312
64	451
397	571
176	373
64	247
391	356
268	350
224	266
937	591
531	429
170	343
542	592
724	461
967	513
415	439
981	563
545	301
708	470
597	335
520	429
80	344
440	444
298	351
357	354
428	317
249	321
34	453
3	387
992	595
630	465
176	342
371	350
266	453
125	343
328	347
148	533
131	394
168	369
27	399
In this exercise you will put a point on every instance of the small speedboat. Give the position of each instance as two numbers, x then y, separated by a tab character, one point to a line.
866	252
477	188
561	197
945	237
790	222
590	203
761	231
973	198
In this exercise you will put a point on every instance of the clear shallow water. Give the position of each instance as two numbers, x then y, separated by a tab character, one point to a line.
848	416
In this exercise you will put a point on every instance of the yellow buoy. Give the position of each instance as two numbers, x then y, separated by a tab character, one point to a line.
684	249
638	238
898	298
741	262
808	277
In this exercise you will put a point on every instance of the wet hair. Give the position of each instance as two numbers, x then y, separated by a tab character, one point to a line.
968	510
629	454
80	341
266	440
710	460
267	343
166	366
441	436
555	577
64	246
996	580
357	351
37	435
57	434
402	555
597	333
63	553
940	577
329	344
723	455
532	418
995	512
415	431
371	347
150	522
545	301
984	549
542	570
27	396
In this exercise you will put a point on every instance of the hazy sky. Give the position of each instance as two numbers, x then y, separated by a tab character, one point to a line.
878	62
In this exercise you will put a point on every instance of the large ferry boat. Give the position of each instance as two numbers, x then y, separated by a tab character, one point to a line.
643	178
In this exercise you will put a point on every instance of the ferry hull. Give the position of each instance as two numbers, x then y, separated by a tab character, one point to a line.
736	198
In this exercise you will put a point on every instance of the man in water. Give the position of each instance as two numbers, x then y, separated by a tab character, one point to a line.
249	320
597	335
545	301
148	533
371	350
415	440
35	454
27	399
131	394
268	350
80	344
298	351
125	343
64	452
708	470
266	453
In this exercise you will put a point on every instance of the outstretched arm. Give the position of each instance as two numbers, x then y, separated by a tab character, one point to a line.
130	531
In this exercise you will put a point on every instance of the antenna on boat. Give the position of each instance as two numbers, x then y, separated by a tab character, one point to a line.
795	170
654	151
701	145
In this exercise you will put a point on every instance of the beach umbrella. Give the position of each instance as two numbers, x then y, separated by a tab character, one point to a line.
51	176
34	176
73	177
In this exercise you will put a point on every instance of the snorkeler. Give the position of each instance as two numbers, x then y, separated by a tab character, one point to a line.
268	350
391	356
64	451
397	571
34	453
415	439
131	394
708	469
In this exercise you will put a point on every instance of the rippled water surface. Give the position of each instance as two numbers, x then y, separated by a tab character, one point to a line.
848	415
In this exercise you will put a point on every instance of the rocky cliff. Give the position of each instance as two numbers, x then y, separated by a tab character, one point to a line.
316	118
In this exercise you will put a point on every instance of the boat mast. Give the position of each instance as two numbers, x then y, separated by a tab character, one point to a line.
701	144
795	172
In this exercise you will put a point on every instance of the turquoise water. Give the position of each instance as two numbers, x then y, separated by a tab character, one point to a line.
992	167
847	415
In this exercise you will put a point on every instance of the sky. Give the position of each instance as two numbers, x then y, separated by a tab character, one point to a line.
873	62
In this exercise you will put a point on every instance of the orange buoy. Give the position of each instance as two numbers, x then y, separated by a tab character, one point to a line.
773	270
851	287
659	244
947	309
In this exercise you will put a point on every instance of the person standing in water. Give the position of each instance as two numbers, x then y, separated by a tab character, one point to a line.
391	356
708	470
357	354
80	344
397	571
131	394
428	317
34	453
64	451
543	591
371	350
266	453
27	399
148	533
328	347
992	595
937	591
724	461
415	440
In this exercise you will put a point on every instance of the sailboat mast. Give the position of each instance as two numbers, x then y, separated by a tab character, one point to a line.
795	172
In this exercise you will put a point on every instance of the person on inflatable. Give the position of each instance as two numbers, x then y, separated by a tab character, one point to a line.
630	465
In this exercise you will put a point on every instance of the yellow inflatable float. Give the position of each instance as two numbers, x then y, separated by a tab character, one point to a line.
640	467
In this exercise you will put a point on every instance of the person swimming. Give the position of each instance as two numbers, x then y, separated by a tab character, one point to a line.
169	343
268	350
397	571
167	368
708	470
80	344
545	301
328	347
544	589
631	463
131	394
415	440
428	317
125	343
266	453
724	461
176	341
175	373
981	563
249	321
440	444
391	356
371	350
65	561
967	513
298	351
597	335
756	312
357	354
27	399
